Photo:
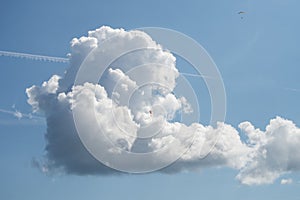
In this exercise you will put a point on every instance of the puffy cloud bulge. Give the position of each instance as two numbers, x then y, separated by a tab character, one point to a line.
134	100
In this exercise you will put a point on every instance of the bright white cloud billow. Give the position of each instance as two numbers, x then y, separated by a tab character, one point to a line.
286	181
128	111
275	151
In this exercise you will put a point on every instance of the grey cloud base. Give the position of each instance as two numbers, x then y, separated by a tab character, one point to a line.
264	157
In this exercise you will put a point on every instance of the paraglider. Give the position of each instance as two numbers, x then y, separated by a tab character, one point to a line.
241	13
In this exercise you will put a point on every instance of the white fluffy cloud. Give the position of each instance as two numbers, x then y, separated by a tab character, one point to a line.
275	151
126	110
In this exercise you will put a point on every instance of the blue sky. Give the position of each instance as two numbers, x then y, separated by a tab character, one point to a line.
257	57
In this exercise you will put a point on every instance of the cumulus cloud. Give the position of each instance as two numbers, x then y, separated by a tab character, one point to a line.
275	151
134	100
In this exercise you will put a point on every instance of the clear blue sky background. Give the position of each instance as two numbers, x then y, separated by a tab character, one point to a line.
258	57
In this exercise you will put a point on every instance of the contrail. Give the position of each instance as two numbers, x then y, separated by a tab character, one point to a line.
34	57
63	60
20	115
196	75
292	89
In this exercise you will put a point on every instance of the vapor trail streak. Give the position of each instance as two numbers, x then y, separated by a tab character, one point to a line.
196	75
20	115
292	89
34	57
60	60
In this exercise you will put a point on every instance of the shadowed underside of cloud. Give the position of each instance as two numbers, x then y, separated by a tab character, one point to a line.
141	109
